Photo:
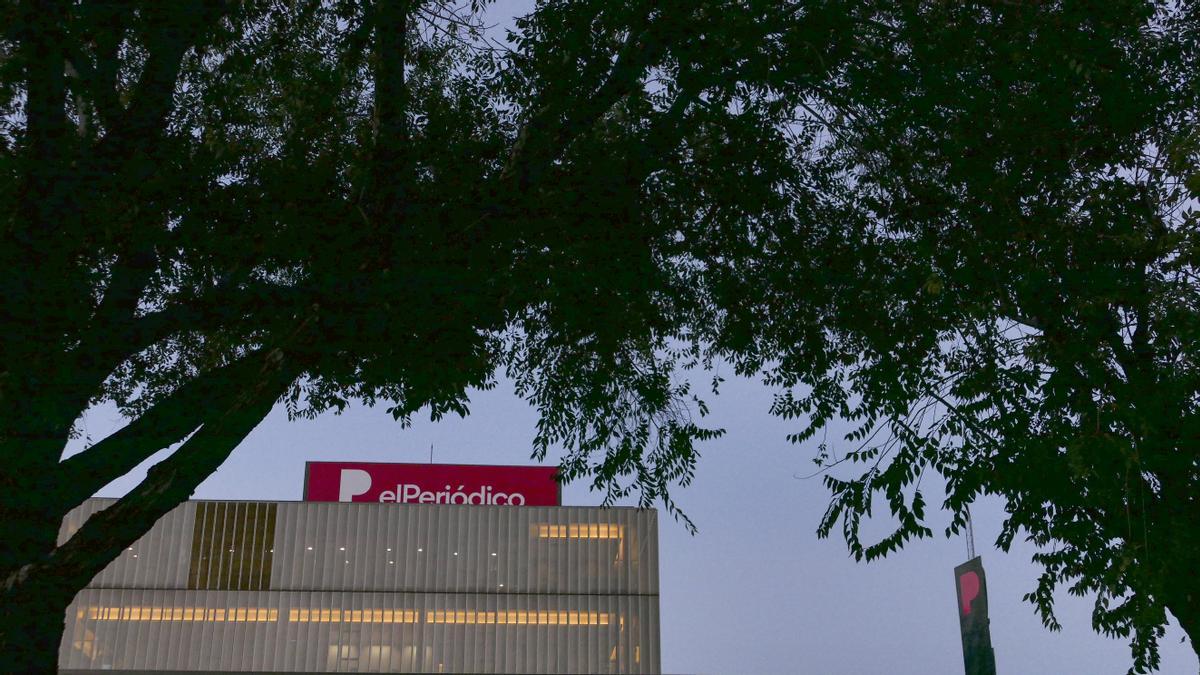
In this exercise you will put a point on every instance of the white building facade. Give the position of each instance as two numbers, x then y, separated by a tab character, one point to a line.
221	587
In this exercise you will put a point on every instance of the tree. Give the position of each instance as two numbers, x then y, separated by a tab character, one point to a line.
213	206
1012	299
965	225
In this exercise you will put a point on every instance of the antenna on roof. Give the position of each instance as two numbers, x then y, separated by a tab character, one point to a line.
431	453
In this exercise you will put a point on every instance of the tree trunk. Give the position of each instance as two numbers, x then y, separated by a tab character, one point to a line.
32	624
1184	605
32	602
35	593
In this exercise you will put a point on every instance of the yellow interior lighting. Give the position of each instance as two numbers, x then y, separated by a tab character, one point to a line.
581	531
217	614
263	614
518	617
87	646
353	616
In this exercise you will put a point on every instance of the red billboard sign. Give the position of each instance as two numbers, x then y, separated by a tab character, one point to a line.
431	484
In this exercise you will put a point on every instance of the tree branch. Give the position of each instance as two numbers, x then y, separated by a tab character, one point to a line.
541	138
177	27
170	420
33	235
108	106
390	161
217	308
167	484
134	134
42	35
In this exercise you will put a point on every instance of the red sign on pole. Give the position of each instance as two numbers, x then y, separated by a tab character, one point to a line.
431	484
978	657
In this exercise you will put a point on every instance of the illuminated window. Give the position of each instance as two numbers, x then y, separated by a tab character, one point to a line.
86	646
299	615
580	531
518	617
343	658
352	616
219	614
590	531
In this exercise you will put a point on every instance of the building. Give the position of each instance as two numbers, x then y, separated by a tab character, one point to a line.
370	587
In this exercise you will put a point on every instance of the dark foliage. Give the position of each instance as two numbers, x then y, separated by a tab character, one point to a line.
213	206
1010	299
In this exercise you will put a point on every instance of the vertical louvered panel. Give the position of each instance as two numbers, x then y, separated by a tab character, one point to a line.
231	546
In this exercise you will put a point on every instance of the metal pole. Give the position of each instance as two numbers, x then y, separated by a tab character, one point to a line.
970	536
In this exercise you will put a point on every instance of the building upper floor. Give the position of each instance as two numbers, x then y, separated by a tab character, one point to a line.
315	546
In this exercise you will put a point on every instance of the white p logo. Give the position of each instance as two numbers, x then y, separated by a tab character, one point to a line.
353	482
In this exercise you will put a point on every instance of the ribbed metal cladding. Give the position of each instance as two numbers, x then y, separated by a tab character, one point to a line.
158	560
377	588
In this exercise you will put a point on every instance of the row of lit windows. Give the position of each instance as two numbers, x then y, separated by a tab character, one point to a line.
583	531
520	617
263	614
353	615
252	614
